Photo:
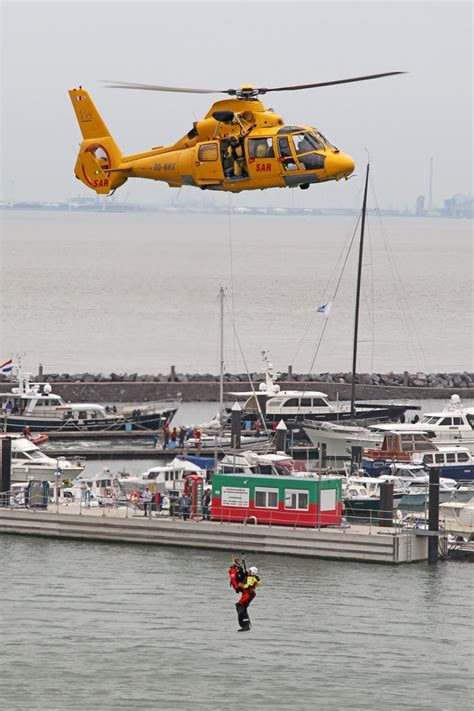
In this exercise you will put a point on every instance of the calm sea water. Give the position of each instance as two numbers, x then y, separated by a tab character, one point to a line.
89	626
126	293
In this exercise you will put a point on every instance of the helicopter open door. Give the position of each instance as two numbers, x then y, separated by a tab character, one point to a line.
208	164
262	161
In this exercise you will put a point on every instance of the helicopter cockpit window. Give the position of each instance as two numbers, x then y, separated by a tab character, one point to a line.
325	140
208	152
305	142
261	148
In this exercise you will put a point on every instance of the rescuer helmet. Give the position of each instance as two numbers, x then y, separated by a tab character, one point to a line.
253	570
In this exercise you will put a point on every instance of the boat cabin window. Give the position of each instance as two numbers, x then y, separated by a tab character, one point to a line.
463	457
457	421
306	402
261	148
291	402
446	421
450	457
266	498
439	458
208	152
296	499
428	459
82	414
265	469
228	469
21	455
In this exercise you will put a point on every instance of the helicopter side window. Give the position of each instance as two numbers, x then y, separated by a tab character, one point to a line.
208	152
261	148
286	156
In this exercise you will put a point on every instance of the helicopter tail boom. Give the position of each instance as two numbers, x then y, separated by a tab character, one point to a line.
99	160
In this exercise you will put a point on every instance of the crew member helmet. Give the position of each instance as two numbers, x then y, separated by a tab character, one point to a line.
253	570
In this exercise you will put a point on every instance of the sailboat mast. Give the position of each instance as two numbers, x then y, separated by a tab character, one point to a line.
357	304
221	372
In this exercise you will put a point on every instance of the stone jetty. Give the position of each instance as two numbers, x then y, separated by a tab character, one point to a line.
198	387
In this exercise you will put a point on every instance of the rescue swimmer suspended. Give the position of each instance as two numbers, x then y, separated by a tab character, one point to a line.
239	145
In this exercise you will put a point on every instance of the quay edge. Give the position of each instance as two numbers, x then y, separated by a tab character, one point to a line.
208	391
357	543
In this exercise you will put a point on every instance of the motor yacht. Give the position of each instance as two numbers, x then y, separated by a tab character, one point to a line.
29	462
298	407
34	405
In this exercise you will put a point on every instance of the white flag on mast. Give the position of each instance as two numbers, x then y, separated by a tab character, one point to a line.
325	309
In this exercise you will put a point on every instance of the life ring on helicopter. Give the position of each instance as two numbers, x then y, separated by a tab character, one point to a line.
134	497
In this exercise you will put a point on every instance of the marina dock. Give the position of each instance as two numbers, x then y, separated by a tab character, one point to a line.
362	543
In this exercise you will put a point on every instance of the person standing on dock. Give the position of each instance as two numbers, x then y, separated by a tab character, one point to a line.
182	436
173	437
147	498
206	503
166	436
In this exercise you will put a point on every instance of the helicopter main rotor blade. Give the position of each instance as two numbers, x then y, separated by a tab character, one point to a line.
264	90
153	87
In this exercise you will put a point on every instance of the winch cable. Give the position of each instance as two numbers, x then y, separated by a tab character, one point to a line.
231	259
262	418
404	306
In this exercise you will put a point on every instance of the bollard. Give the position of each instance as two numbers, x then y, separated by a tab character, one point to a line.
236	425
356	458
280	437
433	516
386	504
6	471
322	454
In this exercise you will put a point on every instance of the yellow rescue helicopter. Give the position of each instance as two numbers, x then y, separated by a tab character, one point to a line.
239	145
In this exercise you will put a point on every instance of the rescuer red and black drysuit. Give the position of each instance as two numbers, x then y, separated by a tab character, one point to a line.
243	583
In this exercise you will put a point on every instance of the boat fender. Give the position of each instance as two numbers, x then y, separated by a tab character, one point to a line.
134	497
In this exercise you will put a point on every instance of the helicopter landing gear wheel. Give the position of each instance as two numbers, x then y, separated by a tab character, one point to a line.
304	186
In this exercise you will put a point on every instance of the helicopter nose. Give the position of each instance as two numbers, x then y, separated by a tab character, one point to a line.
339	165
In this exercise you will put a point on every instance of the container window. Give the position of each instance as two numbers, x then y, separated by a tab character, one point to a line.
296	499
208	152
327	500
266	498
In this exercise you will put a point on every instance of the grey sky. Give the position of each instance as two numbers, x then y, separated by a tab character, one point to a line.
51	47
